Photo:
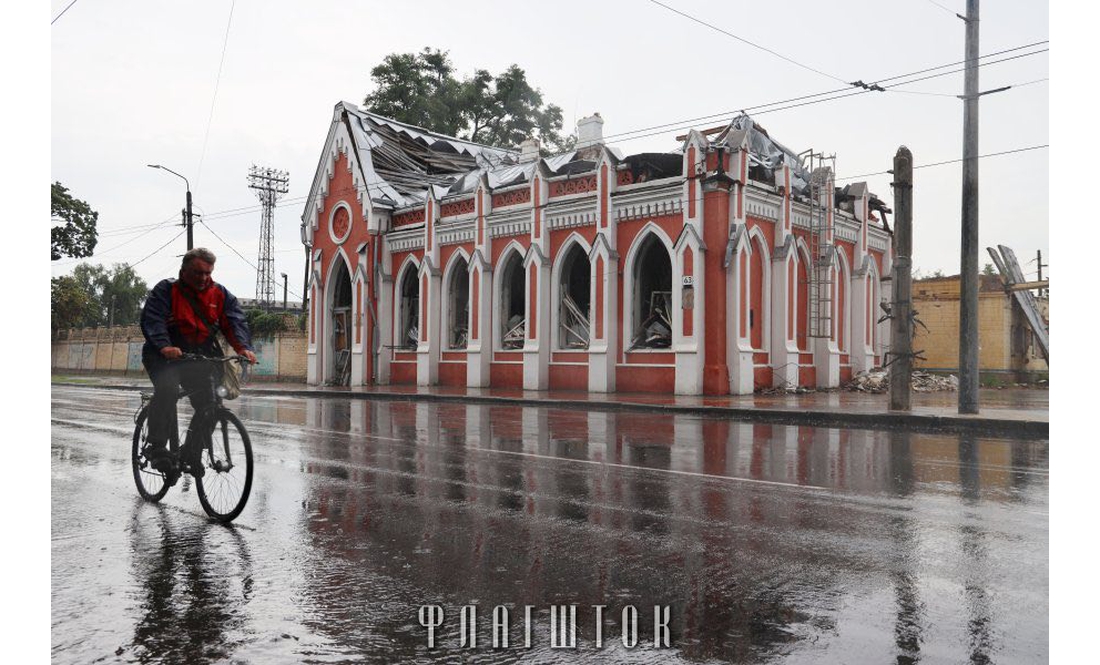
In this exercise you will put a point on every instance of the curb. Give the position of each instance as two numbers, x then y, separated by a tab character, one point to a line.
890	421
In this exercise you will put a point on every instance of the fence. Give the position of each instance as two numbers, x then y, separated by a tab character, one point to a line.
117	350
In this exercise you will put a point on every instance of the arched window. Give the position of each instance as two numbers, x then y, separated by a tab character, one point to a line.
458	294
574	313
757	263
341	324
512	301
652	297
408	332
802	303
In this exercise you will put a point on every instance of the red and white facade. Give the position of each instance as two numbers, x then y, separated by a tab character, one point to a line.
416	275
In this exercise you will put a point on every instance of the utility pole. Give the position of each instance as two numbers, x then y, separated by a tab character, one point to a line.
187	217
284	290
1039	260
901	323
269	184
968	295
190	223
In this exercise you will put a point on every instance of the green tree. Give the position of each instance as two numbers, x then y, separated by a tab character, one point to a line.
117	292
70	305
502	110
76	235
988	269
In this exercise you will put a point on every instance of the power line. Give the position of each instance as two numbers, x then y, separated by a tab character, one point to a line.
134	265
745	41
122	244
950	161
949	11
846	89
62	12
217	82
234	250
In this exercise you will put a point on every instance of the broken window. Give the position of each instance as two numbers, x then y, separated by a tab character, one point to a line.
512	301
652	296
457	311
574	315
409	331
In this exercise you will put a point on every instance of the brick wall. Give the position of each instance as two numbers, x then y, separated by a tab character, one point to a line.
937	304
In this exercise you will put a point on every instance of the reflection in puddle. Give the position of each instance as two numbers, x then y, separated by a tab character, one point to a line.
764	539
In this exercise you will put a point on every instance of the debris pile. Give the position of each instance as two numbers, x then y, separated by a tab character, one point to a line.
923	382
878	381
656	331
574	324
515	332
785	390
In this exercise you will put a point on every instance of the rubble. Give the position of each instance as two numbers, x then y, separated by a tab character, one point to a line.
574	324
878	381
656	330
516	333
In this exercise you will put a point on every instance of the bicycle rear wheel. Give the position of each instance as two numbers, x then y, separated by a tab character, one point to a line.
151	484
226	482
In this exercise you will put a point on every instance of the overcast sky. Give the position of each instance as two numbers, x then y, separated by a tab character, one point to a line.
137	82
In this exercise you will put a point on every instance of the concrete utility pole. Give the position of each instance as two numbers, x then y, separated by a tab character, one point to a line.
187	216
901	325
968	295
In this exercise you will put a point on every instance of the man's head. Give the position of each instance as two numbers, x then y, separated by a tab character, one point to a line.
198	265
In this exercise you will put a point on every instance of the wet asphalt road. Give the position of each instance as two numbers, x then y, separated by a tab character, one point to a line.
767	543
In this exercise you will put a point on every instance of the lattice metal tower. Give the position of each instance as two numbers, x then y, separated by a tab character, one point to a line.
269	184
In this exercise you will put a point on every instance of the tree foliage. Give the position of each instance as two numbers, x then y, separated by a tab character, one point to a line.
117	291
70	305
76	236
503	110
266	324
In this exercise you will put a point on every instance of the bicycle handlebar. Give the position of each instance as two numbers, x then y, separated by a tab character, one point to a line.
213	359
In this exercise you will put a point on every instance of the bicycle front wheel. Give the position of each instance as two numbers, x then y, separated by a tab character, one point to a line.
151	484
226	480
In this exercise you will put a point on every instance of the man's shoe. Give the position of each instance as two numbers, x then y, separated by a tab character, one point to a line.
161	459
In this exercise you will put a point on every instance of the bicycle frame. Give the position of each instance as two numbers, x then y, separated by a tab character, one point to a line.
202	421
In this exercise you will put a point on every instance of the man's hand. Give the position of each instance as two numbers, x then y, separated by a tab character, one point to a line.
250	356
171	352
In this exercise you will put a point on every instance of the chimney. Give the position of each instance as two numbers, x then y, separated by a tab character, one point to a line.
589	131
528	151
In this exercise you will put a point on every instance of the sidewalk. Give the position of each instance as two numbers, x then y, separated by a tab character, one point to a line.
1015	412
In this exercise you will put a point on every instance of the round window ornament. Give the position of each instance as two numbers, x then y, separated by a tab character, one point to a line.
341	225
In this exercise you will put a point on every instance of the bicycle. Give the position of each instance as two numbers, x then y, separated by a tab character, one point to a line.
216	451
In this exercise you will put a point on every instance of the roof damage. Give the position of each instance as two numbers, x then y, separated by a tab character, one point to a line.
401	162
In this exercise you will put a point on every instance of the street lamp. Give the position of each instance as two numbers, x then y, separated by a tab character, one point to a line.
187	222
284	290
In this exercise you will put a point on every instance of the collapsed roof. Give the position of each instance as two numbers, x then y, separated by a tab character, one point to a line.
401	161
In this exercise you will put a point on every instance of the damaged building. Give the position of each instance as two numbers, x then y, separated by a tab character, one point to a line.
729	264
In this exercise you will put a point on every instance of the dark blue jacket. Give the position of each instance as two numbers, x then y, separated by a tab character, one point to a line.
168	319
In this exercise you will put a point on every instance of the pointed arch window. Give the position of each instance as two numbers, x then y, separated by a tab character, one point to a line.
458	299
574	313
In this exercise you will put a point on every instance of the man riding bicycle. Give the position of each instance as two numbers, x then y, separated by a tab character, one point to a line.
181	316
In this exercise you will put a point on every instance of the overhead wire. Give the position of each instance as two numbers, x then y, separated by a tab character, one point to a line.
214	99
234	250
745	41
62	12
949	161
158	249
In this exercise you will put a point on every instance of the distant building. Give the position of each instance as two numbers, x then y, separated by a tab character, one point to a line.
721	267
1006	344
277	306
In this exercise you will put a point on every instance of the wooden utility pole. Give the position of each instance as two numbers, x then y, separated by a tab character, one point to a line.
968	296
901	323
